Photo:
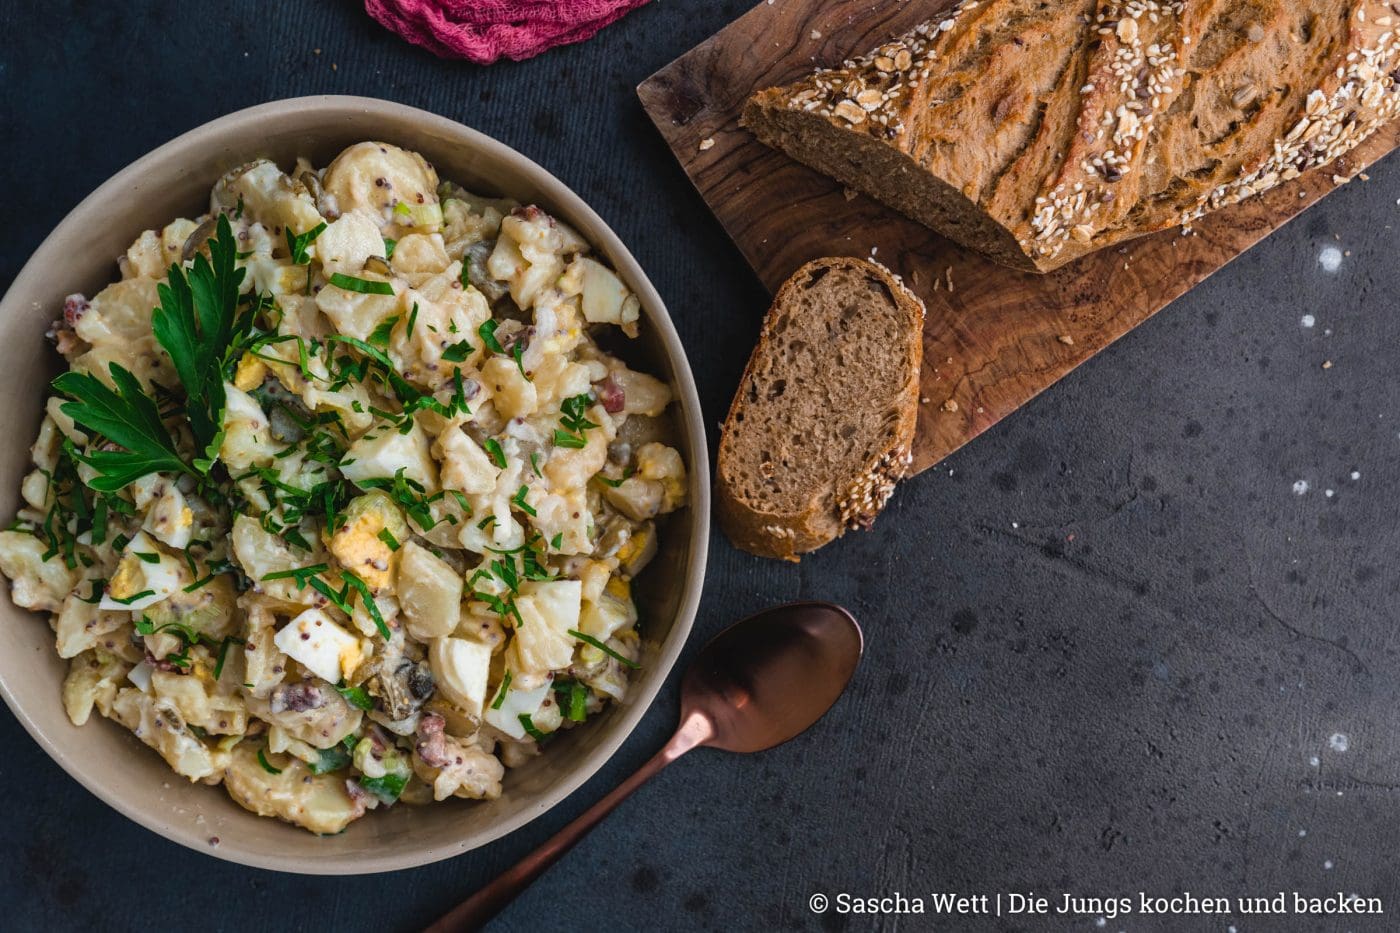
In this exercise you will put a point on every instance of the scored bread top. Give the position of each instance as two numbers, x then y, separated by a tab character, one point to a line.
1077	124
822	424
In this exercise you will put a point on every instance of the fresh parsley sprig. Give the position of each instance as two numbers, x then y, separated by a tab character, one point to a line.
127	417
573	417
200	326
297	243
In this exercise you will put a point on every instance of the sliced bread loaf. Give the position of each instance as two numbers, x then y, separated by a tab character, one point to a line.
823	422
1036	132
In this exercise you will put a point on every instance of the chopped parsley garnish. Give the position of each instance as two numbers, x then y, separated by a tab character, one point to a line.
96	596
310	576
487	332
614	483
604	648
379	337
458	352
573	413
298	242
366	597
338	598
502	607
127	417
501	694
519	501
573	700
528	725
411	496
573	416
462	503
357	697
364	286
386	788
223	653
565	439
302	575
330	759
134	597
262	760
494	451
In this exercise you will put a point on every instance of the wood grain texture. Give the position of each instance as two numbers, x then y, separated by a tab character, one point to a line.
995	338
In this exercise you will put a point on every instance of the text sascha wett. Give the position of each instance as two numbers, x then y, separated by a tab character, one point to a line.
1186	903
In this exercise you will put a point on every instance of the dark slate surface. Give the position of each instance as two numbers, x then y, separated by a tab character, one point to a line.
1111	649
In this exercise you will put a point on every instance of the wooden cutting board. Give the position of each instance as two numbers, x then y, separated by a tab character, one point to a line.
995	338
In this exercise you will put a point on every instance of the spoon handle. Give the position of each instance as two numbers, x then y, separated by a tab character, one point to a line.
475	911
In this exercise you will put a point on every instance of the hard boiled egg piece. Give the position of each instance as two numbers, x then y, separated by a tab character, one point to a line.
319	645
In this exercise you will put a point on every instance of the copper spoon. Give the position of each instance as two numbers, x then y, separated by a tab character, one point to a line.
756	685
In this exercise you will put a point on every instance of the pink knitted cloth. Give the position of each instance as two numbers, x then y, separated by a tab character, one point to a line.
485	30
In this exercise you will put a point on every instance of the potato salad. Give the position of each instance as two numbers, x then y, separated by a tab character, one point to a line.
341	498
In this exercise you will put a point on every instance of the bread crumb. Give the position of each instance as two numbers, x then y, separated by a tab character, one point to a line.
1363	176
948	273
924	400
1066	339
707	143
950	405
1327	365
816	34
850	194
315	51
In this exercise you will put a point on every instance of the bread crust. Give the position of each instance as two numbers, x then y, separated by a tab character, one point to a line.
1036	133
858	499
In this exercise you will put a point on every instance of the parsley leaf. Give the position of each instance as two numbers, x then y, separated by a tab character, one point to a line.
458	352
199	325
331	759
519	501
494	451
357	697
501	696
364	286
381	334
573	416
262	760
487	332
604	648
528	725
298	242
127	417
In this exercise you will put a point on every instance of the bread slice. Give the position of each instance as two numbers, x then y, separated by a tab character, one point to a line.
1036	132
823	422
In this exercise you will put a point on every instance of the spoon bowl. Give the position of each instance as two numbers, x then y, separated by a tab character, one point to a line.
769	678
757	684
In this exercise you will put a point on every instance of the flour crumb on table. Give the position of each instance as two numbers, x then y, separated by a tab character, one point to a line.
707	143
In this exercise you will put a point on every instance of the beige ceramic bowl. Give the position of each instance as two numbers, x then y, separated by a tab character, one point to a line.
79	256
